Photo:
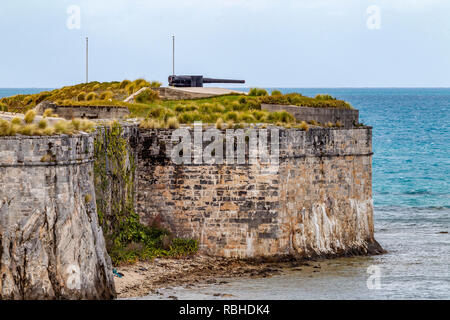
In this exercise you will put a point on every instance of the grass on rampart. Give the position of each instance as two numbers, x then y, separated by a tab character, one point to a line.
29	127
90	93
320	101
227	111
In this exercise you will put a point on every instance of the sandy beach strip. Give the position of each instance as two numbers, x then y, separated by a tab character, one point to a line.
143	278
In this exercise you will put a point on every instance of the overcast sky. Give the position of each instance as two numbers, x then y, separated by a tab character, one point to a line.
269	43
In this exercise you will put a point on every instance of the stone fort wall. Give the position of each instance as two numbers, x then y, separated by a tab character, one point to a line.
347	117
50	244
319	202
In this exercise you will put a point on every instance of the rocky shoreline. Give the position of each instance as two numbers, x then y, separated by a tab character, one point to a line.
144	278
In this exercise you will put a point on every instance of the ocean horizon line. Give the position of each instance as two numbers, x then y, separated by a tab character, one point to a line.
260	86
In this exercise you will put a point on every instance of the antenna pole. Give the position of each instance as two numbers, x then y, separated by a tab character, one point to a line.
87	60
173	55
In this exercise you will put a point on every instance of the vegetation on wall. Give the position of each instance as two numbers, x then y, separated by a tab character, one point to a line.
127	240
96	93
229	111
233	110
29	126
320	101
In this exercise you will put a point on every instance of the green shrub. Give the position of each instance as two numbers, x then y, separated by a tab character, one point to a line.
3	107
131	88
155	84
150	124
189	117
4	127
91	96
147	96
16	121
219	124
231	116
276	93
246	117
106	95
140	83
157	112
28	129
124	84
258	115
304	126
29	116
42	124
172	123
47	113
286	117
81	96
48	131
324	97
323	101
255	92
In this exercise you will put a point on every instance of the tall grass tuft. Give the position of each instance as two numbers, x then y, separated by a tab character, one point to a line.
91	96
3	107
42	124
219	124
304	126
172	123
87	126
131	88
106	95
155	84
150	124
147	96
256	92
4	127
276	93
16	121
28	129
81	96
29	116
124	83
48	113
324	97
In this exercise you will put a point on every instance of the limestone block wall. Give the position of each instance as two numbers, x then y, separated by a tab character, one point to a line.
319	202
347	117
50	244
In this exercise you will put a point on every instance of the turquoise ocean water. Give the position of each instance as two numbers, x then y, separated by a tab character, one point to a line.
411	190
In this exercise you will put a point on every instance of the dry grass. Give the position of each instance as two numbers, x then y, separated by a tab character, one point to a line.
43	128
48	113
304	126
172	123
219	124
29	116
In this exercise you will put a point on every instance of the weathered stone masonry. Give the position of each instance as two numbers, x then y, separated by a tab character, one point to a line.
347	117
50	244
319	203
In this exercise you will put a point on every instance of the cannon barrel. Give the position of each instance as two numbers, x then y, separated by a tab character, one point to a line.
212	80
196	81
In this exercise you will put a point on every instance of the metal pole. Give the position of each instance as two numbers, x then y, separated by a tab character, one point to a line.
87	60
173	55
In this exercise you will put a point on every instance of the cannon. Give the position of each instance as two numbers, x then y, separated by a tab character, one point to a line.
196	81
